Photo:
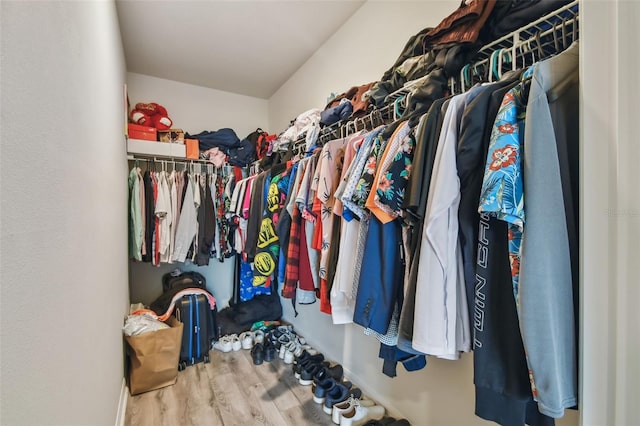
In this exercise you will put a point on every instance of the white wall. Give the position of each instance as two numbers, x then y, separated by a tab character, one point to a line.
443	392
359	52
196	108
610	208
193	109
63	236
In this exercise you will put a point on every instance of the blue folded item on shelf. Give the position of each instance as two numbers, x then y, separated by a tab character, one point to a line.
342	111
220	138
239	152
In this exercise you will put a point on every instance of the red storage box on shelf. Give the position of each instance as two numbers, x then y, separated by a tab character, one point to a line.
192	147
137	131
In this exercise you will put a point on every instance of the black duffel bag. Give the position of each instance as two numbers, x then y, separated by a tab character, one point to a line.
177	278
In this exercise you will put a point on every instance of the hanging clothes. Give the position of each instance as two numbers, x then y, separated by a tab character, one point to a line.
324	184
268	247
136	233
442	328
187	226
547	297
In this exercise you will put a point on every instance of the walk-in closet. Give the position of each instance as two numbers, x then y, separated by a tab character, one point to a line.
347	212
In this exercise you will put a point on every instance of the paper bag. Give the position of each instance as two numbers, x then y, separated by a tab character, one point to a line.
154	358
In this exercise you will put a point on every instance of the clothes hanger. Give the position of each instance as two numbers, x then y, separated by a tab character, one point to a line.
505	55
464	78
492	58
533	52
565	42
396	108
529	49
539	46
476	74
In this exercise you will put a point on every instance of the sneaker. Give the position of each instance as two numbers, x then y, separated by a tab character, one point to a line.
236	345
285	329
359	415
297	368
339	393
347	405
320	389
282	351
291	352
308	371
307	354
257	354
258	336
269	352
283	340
335	372
223	344
246	339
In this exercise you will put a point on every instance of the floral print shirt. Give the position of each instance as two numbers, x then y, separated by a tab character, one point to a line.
366	181
502	194
352	207
393	175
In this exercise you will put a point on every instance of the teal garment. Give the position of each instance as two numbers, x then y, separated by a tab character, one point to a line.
135	216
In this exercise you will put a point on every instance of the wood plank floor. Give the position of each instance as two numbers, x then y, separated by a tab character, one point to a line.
230	390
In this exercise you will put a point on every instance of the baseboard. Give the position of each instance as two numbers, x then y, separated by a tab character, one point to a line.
122	403
367	388
372	393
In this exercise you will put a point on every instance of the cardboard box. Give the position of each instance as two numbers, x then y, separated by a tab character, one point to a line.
171	135
175	150
137	131
193	148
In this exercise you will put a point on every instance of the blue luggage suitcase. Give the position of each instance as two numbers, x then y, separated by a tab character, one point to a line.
194	312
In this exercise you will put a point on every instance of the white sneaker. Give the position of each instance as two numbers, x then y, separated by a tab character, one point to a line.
359	415
258	336
292	350
236	345
246	339
223	344
283	350
347	405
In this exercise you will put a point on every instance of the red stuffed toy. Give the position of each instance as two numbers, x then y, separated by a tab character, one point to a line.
152	115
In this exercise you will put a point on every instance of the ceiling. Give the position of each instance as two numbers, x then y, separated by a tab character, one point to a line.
245	47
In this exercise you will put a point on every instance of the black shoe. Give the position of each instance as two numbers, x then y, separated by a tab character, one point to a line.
336	372
309	370
297	366
388	421
354	392
269	352
305	356
257	354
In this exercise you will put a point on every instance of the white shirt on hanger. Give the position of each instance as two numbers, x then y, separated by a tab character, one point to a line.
188	224
441	323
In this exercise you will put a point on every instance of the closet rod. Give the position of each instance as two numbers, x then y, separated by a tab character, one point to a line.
567	15
154	158
342	128
568	11
539	47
